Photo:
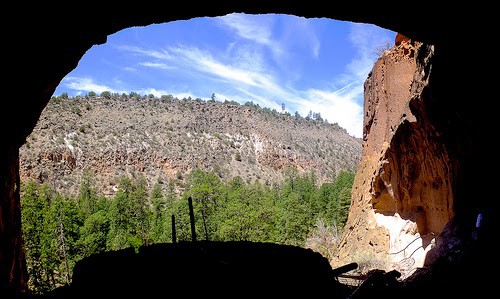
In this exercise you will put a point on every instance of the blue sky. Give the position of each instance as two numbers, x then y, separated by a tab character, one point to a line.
316	65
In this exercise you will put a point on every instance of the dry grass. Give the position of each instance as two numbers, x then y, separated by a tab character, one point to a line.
323	239
368	260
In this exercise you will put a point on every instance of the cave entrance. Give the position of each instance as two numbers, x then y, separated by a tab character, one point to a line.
157	121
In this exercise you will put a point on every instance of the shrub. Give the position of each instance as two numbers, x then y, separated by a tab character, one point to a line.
368	260
106	94
76	110
323	239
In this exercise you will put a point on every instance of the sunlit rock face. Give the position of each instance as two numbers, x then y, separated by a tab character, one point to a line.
402	195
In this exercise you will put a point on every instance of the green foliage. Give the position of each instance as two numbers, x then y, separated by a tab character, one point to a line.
157	227
106	94
34	219
58	231
246	213
87	197
94	233
237	157
337	207
205	190
76	110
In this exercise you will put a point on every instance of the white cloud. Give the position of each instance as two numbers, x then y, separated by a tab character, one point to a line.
300	32
344	105
241	76
160	92
262	88
156	92
256	29
129	69
161	54
158	65
86	84
365	39
337	107
315	49
246	75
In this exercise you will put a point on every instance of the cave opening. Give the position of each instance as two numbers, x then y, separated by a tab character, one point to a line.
448	109
101	132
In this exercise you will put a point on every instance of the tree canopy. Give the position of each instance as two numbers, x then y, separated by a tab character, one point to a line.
59	230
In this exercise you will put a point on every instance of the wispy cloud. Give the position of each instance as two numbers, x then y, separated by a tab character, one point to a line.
258	30
204	62
160	92
248	75
343	103
365	40
129	69
245	70
336	106
85	84
158	65
299	32
158	54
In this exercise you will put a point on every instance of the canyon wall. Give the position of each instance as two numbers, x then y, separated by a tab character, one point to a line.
458	108
403	191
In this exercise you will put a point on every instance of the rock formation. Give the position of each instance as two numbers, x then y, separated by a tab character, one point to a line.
165	138
454	110
403	192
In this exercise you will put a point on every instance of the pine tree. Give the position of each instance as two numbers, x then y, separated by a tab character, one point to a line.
87	197
205	189
94	233
158	219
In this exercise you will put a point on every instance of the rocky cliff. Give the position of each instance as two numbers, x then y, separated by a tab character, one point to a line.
164	138
403	191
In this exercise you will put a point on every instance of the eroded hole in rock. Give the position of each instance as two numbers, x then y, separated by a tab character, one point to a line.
170	112
464	243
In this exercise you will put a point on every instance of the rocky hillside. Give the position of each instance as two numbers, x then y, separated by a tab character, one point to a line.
113	136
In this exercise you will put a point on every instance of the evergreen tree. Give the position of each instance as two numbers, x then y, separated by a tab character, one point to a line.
140	210
94	233
65	226
121	234
58	231
87	197
292	220
158	218
205	189
340	199
33	224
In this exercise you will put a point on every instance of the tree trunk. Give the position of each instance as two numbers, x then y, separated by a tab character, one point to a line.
63	249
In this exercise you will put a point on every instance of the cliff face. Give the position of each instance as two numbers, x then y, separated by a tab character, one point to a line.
164	139
403	191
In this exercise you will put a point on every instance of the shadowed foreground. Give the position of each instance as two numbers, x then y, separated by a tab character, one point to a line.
204	268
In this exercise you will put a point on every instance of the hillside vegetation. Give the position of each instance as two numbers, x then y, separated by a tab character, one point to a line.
164	139
109	172
59	230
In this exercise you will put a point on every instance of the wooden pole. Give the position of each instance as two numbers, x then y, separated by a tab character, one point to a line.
174	233
191	219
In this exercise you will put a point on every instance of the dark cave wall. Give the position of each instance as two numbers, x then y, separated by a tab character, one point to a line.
44	44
